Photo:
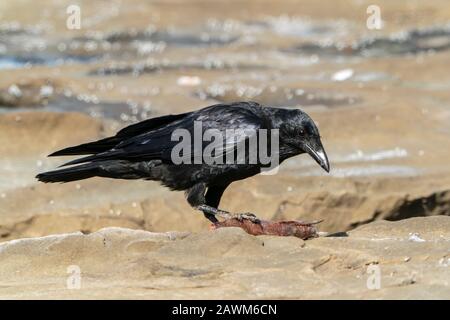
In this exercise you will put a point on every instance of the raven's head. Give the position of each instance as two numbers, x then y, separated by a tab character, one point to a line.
300	133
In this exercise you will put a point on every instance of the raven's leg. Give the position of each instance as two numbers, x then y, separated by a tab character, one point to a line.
208	203
212	199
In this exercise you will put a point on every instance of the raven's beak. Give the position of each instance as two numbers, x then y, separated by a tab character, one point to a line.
318	153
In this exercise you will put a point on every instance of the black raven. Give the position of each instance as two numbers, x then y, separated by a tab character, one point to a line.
145	151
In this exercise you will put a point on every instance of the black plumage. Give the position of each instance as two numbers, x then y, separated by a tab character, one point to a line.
144	150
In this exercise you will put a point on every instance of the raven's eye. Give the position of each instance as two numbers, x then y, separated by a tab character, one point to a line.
302	132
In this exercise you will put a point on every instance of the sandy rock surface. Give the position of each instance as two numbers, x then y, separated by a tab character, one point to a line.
411	256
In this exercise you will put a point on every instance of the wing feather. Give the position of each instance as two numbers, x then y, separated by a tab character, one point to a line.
158	143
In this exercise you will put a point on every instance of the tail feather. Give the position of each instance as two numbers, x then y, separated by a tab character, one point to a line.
94	158
124	134
84	171
88	148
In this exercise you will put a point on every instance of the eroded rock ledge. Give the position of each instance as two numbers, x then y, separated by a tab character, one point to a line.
413	257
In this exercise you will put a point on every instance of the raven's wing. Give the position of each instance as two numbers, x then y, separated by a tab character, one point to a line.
158	144
124	134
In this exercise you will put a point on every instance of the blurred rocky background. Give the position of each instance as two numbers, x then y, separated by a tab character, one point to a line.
381	98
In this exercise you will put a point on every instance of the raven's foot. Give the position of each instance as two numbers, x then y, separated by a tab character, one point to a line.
211	211
208	210
245	216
